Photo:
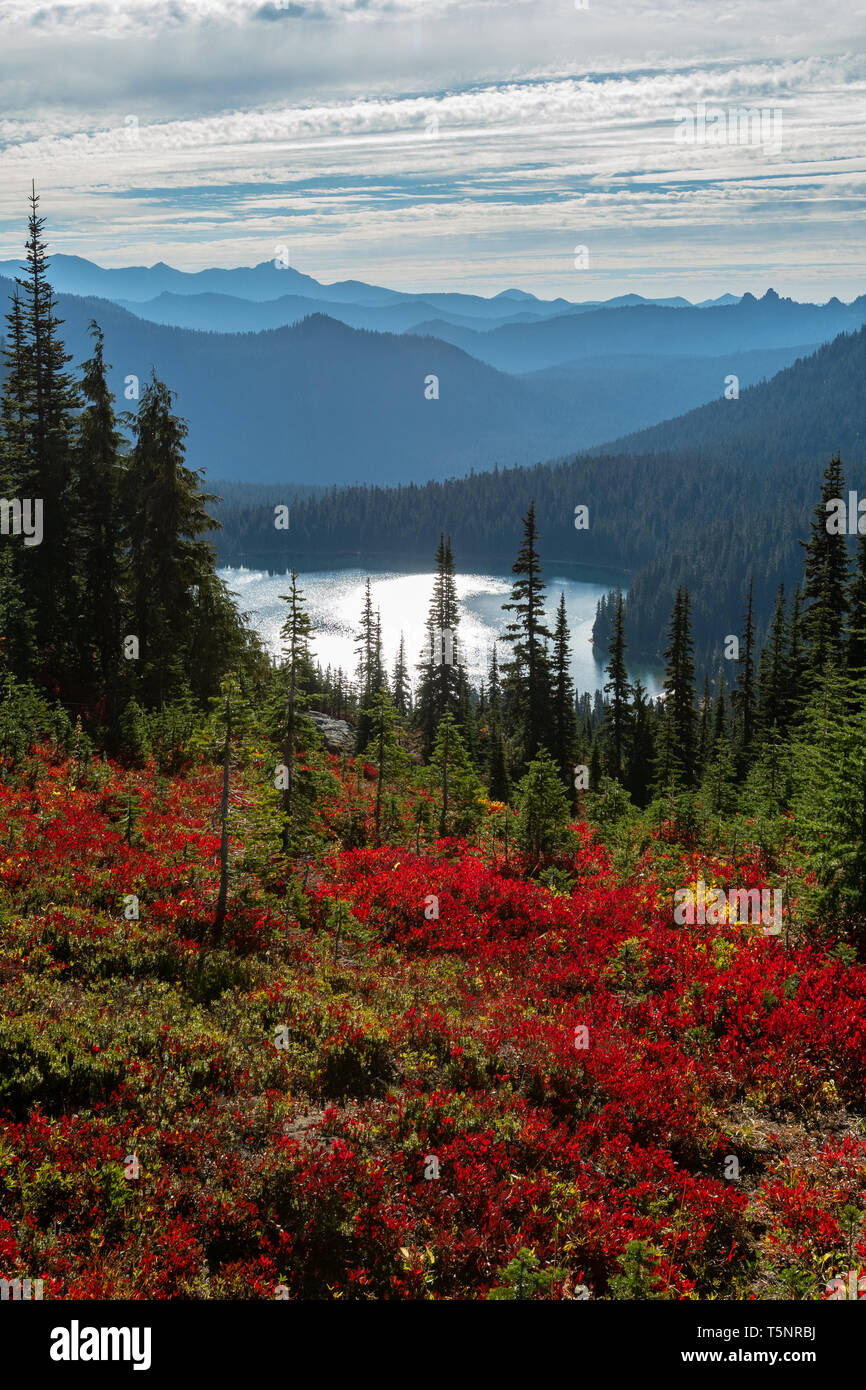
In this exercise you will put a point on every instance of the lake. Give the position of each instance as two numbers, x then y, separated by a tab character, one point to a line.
334	600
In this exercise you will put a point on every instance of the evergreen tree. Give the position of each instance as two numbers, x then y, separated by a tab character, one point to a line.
165	518
826	577
704	726
856	632
441	676
390	758
676	760
564	732
41	409
400	684
527	684
544	812
17	617
774	677
720	715
595	765
618	711
451	775
721	779
743	697
295	633
369	667
498	786
496	767
98	530
830	794
797	661
641	749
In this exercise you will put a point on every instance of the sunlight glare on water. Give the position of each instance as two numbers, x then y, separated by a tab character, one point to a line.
334	600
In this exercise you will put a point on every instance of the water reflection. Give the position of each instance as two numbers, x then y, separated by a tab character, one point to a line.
334	600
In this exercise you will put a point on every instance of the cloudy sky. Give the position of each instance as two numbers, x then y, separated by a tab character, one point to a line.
447	144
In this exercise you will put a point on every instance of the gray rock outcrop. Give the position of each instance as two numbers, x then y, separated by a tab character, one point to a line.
337	735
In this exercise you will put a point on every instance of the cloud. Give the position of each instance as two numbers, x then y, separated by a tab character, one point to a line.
399	139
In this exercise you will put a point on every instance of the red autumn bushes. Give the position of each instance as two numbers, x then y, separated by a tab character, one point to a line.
388	1082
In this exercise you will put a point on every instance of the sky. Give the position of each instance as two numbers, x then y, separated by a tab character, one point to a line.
446	144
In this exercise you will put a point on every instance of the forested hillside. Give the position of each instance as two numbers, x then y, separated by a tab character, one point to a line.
787	416
754	489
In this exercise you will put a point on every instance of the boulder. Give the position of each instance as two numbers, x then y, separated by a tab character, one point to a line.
337	735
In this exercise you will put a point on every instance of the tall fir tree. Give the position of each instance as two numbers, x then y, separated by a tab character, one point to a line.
641	748
369	667
527	675
826	577
856	631
705	725
451	776
98	524
170	562
17	616
385	747
774	675
564	728
297	673
400	683
440	673
45	464
498	784
619	690
676	758
744	698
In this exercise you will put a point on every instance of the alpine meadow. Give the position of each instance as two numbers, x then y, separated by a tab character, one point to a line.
433	675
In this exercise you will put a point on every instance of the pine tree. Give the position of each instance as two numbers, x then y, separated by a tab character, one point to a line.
830	794
618	712
439	686
527	684
99	525
743	697
390	758
564	732
641	749
165	518
400	684
774	696
826	578
17	616
721	780
675	763
369	667
380	679
498	786
856	631
720	714
451	775
544	811
295	633
43	413
704	726
231	719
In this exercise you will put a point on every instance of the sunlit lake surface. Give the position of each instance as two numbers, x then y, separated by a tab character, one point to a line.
334	599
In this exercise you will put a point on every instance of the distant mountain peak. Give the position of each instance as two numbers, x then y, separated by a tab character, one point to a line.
513	294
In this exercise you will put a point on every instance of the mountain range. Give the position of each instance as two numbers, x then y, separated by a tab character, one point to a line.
285	379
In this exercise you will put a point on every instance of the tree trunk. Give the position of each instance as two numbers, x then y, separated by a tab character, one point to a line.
443	821
380	769
219	920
